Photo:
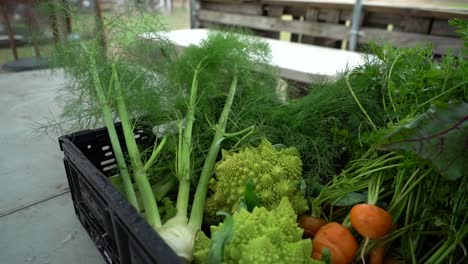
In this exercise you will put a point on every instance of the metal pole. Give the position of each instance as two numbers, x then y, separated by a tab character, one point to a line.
193	13
353	38
167	5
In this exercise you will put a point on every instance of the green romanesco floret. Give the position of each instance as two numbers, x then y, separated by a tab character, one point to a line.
276	172
262	237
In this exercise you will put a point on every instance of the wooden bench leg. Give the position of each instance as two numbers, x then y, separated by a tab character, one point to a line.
11	33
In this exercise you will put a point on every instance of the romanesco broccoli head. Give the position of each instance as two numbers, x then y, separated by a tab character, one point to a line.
262	236
277	173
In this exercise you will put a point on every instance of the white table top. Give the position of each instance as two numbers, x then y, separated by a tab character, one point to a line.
296	61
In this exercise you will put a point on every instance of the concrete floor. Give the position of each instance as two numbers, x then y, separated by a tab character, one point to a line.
37	221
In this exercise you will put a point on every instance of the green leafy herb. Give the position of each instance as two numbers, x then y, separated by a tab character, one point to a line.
462	28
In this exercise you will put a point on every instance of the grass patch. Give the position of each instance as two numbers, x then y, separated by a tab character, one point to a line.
6	55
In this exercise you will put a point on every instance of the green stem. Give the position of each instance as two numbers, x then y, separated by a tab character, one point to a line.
244	137
412	250
408	191
185	150
316	209
196	215
359	103
347	221
374	188
378	163
183	198
381	169
397	204
448	247
417	212
238	133
431	251
155	153
114	139
141	178
389	78
443	93
163	186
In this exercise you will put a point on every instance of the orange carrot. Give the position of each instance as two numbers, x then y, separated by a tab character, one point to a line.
311	225
334	236
377	255
370	220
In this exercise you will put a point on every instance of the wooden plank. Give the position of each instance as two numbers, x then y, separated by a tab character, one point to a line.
232	1
296	10
273	11
316	29
442	28
418	25
312	14
244	8
346	14
436	9
399	22
381	20
405	39
323	15
319	29
329	15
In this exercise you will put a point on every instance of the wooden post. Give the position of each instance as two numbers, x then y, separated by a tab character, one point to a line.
53	20
11	33
100	24
33	28
272	11
295	37
329	15
68	19
312	14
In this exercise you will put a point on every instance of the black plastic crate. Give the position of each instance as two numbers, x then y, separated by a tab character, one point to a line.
119	232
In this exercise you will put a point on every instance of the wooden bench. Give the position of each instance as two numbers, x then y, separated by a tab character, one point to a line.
296	61
326	22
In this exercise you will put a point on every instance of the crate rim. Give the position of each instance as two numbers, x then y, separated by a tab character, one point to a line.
136	224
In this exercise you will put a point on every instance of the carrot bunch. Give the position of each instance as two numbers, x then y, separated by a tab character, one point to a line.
367	219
